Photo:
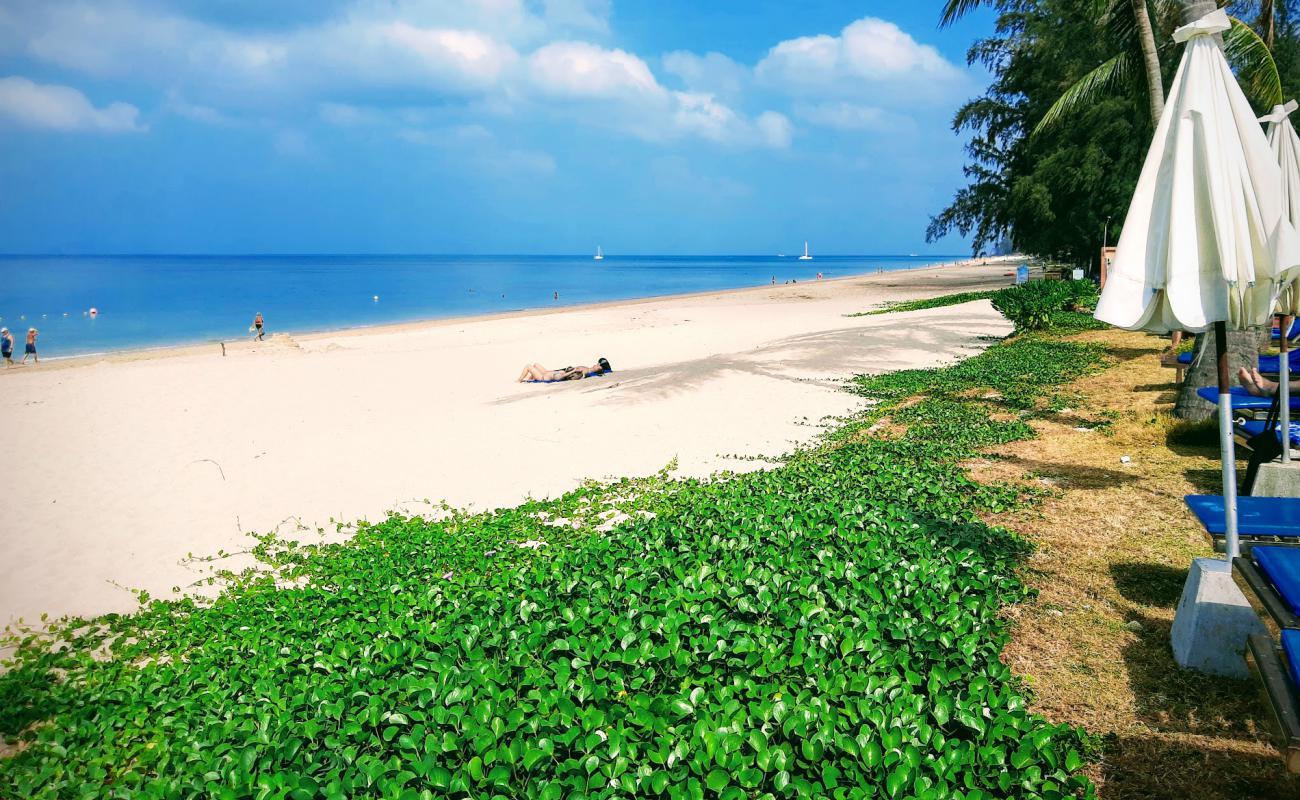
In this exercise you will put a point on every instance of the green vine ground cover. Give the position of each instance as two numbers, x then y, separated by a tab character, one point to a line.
927	302
827	628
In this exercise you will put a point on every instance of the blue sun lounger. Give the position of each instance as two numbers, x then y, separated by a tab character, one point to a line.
1273	574
1278	669
1260	520
1295	330
1254	427
1243	400
1269	365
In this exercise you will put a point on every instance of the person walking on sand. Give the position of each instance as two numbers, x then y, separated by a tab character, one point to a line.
257	325
7	347
31	347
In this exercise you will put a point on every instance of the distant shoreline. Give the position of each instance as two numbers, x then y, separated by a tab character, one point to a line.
131	462
159	351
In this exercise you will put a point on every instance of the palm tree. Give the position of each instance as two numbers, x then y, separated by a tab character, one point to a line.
1128	24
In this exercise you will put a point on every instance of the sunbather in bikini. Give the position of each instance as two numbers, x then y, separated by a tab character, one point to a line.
536	372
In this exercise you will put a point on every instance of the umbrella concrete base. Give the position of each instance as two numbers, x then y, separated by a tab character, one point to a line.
1278	479
1213	620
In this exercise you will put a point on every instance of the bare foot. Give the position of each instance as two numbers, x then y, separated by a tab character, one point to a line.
1255	383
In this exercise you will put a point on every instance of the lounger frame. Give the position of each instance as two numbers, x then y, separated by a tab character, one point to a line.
1245	542
1267	661
1264	589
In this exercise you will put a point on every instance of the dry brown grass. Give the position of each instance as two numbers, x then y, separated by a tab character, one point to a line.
1114	544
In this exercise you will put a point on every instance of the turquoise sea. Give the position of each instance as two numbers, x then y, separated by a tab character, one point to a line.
153	301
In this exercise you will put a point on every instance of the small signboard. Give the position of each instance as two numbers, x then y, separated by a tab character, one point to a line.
1022	273
1077	274
1107	258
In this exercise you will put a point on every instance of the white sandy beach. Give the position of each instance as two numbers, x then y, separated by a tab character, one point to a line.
116	468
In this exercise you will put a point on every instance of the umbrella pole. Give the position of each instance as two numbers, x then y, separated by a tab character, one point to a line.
1284	387
1225	442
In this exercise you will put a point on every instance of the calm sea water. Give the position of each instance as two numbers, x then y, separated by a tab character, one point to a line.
151	301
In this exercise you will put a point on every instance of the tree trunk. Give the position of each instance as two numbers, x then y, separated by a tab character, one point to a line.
1266	23
1243	347
1155	81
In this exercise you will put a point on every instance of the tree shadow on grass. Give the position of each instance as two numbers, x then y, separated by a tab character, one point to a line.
1206	481
1075	476
1146	767
1168	386
1149	584
1211	736
1131	353
1208	736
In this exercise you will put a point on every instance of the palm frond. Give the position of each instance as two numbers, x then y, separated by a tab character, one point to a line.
1254	63
1087	89
954	10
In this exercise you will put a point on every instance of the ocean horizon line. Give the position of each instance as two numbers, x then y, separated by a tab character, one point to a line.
84	305
606	255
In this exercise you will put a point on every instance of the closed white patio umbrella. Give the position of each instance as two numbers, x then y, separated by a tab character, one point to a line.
1205	242
1286	151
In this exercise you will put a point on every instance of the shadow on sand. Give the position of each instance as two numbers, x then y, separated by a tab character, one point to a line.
878	345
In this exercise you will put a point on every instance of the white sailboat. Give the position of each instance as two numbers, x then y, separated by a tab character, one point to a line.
805	256
599	255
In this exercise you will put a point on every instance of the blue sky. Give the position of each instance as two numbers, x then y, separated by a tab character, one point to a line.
478	126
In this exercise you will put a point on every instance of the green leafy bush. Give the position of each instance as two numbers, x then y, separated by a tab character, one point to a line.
927	302
828	628
1031	306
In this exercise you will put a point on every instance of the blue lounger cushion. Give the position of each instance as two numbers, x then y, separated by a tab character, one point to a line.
1255	427
1256	516
1244	400
1282	566
1291	646
1295	330
1269	364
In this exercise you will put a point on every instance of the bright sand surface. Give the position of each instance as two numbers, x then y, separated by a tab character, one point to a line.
116	468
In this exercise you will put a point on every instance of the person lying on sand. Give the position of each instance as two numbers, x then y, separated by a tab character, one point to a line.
1260	386
536	372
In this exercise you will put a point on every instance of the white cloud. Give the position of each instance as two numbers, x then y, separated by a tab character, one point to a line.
869	56
193	111
587	15
585	73
775	129
582	70
712	73
44	105
852	117
466	55
487	57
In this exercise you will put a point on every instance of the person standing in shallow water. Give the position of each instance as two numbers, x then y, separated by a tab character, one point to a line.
257	324
7	347
31	347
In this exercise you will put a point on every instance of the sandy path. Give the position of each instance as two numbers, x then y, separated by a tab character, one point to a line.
117	468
